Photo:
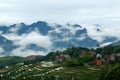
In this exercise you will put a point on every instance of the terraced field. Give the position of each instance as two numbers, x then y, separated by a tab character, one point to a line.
36	72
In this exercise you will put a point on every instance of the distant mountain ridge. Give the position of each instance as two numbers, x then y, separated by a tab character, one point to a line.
116	43
55	36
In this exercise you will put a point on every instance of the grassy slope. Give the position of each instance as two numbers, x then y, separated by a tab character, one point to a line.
9	60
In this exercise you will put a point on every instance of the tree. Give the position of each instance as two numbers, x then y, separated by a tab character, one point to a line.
117	50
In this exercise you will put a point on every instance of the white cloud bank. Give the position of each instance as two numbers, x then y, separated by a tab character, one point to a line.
33	37
106	31
21	51
1	50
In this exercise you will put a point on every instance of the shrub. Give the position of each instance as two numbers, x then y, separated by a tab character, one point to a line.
71	63
86	58
112	74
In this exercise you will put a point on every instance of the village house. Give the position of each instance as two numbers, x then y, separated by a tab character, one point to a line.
92	53
62	58
111	57
84	53
98	62
107	58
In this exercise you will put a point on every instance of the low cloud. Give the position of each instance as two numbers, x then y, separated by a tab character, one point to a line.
106	31
1	50
16	28
33	37
82	37
105	44
72	29
21	51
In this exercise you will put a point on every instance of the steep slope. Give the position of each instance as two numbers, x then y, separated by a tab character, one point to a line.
6	45
116	43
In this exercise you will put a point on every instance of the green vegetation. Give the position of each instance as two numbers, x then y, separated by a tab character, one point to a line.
36	72
80	66
86	58
111	73
10	60
107	50
74	52
73	63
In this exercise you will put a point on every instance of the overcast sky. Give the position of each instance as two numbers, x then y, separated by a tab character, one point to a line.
60	11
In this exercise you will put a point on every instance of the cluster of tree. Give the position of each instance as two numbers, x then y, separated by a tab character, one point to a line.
73	52
108	50
73	63
76	52
87	58
79	61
